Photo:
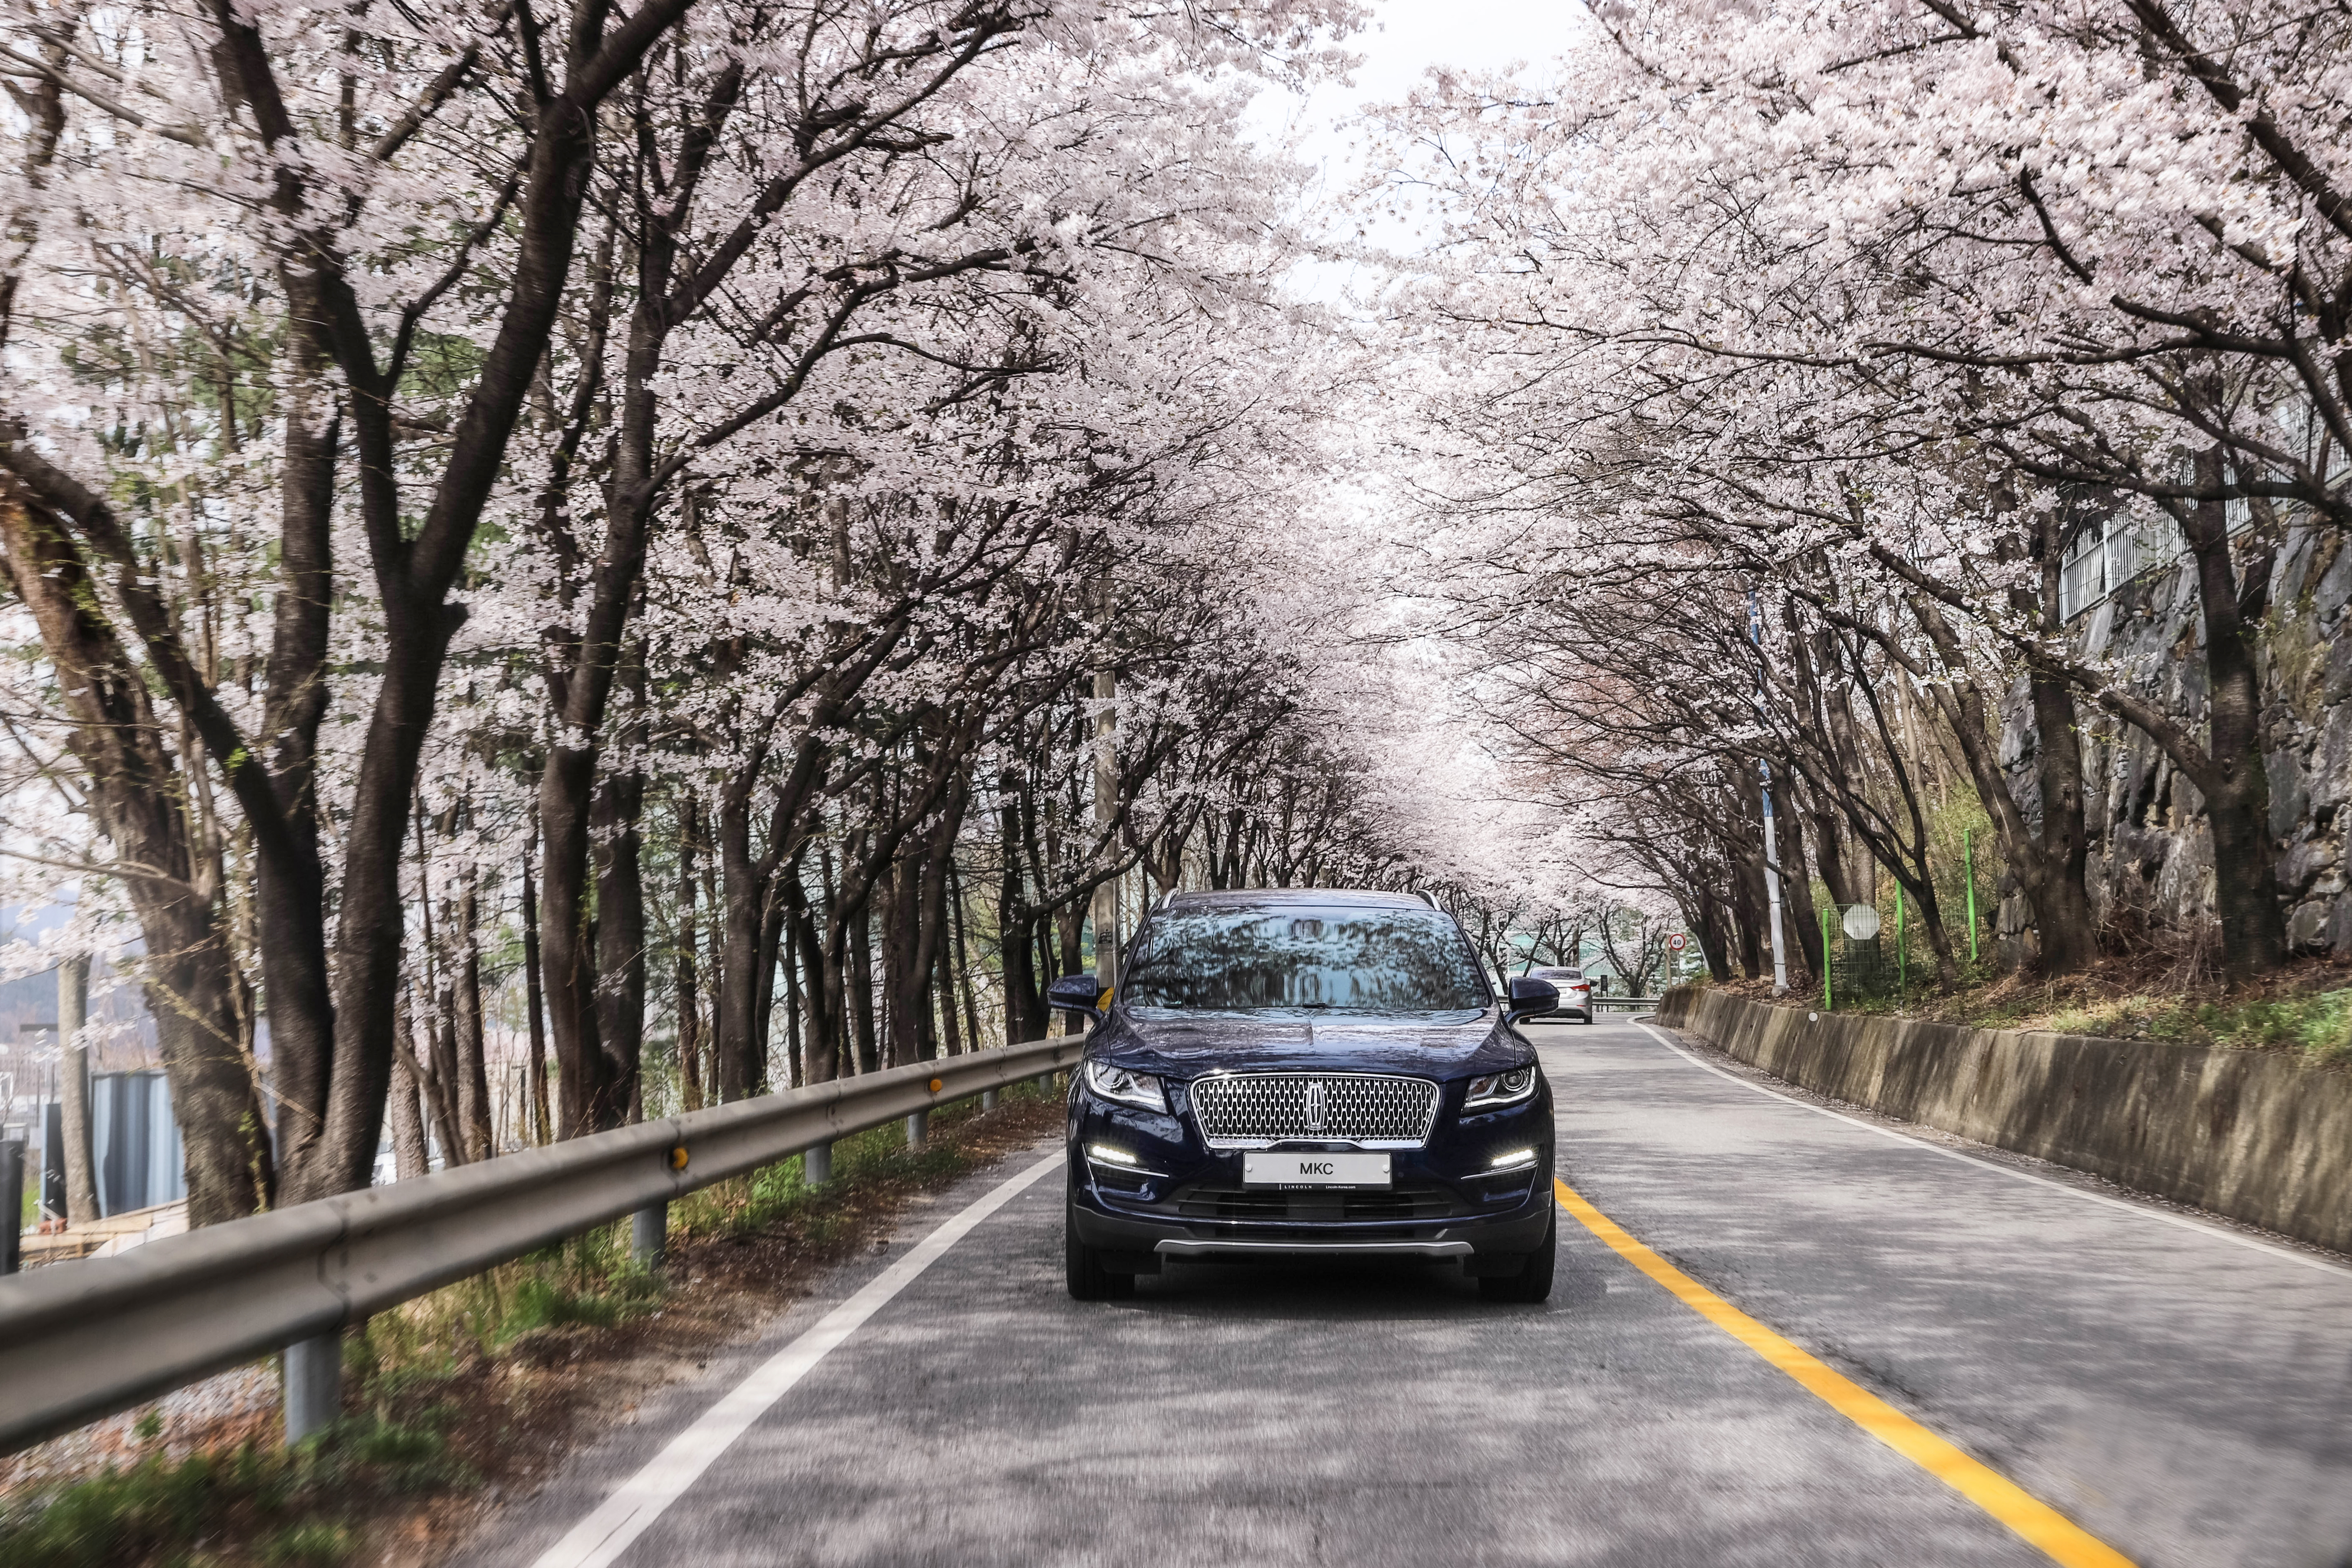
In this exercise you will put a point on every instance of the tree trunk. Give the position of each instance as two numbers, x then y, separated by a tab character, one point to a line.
1069	931
1796	887
2047	866
1749	906
892	901
409	1159
2236	785
368	932
689	993
542	1123
466	1023
621	946
185	975
289	875
1016	934
1712	915
788	959
857	984
820	1061
772	937
2053	878
567	941
964	956
1827	837
438	1100
738	978
943	998
73	1090
447	1063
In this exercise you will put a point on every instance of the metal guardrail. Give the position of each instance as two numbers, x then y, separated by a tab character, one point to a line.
1603	1005
82	1340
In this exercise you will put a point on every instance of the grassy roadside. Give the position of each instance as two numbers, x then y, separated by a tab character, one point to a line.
2304	1009
459	1397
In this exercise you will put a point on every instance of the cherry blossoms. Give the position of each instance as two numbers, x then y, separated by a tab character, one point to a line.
1773	371
448	449
561	563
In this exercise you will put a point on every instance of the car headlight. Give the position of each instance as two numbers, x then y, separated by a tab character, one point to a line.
1500	1088
1127	1088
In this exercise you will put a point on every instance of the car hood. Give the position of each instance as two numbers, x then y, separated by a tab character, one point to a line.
1185	1047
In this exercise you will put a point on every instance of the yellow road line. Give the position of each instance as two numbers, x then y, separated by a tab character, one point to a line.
2038	1523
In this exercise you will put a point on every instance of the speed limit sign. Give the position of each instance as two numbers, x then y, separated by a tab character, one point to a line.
1677	942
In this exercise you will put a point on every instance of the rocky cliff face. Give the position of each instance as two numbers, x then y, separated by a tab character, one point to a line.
2151	854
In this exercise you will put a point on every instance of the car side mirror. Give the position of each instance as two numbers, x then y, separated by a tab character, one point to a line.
1075	994
1530	997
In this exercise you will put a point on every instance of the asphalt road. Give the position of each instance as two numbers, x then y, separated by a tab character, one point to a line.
2181	1392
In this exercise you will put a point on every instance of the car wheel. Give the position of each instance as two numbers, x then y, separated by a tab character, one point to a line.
1532	1283
1088	1279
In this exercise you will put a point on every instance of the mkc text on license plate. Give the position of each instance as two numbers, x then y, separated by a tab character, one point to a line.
1294	1168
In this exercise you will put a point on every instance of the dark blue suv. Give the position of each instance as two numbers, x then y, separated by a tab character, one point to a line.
1308	1073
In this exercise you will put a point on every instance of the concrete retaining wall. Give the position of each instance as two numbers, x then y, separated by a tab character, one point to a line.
2255	1135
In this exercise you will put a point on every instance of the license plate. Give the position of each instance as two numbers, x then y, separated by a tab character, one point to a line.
1294	1168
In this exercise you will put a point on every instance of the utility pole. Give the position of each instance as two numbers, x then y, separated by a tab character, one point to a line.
1771	847
1772	882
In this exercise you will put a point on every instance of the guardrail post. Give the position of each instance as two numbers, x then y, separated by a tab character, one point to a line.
918	1126
313	1394
988	1099
816	1164
12	1197
649	1236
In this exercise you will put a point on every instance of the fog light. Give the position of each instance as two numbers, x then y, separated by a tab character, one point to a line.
1512	1160
1110	1156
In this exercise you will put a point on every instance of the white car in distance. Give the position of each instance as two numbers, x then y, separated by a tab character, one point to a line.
1575	992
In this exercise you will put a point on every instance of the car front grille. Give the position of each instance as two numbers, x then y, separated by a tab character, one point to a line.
1209	1201
1254	1110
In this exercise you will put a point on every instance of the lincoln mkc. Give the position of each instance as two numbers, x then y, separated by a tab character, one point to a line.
1307	1075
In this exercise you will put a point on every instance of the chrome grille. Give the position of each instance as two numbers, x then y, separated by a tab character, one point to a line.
1252	1111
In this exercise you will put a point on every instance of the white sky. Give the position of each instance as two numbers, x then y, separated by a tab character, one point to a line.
1407	36
1406	39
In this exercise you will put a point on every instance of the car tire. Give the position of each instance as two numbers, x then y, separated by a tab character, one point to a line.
1533	1281
1088	1279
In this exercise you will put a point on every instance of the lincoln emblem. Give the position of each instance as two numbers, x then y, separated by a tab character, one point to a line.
1315	1105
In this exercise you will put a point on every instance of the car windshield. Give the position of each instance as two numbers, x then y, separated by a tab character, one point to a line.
1295	957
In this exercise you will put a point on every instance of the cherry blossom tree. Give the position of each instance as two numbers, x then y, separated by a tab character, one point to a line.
1865	312
350	358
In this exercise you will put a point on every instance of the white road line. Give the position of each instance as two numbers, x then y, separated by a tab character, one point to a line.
2182	1221
603	1535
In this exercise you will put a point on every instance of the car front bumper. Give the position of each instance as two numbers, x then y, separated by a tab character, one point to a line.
1138	1223
1139	1245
